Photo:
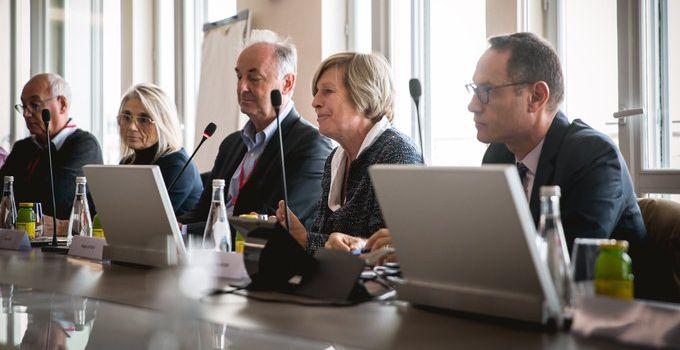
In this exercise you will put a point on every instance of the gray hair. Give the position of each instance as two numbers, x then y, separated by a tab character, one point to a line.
164	114
532	59
58	86
286	53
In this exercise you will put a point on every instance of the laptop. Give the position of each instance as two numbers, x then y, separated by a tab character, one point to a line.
465	240
134	207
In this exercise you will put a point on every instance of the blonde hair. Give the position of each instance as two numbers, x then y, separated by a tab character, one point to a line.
368	81
164	114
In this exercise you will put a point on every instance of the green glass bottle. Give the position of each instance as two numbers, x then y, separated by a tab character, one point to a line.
26	219
97	229
613	271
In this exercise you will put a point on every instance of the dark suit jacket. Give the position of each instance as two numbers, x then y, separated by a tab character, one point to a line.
305	152
79	149
598	200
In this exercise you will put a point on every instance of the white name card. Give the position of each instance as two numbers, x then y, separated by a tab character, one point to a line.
14	240
87	247
221	264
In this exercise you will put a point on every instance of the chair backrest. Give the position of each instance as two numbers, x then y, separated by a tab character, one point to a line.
662	221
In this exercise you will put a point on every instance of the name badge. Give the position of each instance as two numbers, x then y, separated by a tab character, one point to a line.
221	264
14	240
87	247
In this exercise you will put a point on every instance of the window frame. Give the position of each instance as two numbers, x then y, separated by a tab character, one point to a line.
639	72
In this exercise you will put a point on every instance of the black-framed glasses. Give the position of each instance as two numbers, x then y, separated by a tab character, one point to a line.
126	119
483	91
32	107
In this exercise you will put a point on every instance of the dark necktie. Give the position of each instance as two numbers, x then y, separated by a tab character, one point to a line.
522	170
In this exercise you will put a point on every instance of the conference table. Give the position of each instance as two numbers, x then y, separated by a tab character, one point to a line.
99	305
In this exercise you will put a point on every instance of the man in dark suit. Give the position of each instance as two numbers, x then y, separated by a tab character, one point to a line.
518	86
71	148
249	160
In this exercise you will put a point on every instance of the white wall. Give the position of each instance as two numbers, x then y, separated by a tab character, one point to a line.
303	21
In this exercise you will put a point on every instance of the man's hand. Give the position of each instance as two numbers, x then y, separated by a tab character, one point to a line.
341	241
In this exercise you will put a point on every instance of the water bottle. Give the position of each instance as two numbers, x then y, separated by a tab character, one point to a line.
553	247
80	223
8	208
217	235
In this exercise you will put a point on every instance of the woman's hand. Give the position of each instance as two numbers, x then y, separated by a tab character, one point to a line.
341	241
380	239
297	230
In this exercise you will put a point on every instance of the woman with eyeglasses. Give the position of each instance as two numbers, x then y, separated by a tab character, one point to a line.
150	134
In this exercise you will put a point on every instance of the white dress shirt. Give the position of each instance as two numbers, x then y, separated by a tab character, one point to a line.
531	162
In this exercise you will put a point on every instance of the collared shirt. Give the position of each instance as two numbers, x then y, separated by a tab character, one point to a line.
531	162
255	143
59	139
339	163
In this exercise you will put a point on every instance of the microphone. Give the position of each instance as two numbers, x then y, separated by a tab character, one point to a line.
416	91
46	119
276	98
207	133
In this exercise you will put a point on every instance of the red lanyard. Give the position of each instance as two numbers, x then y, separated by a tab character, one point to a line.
242	180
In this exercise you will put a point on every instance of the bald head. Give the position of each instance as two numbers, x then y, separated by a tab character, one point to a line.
46	91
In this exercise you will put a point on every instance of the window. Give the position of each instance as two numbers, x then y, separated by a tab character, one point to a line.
451	63
663	122
82	38
445	64
14	46
590	63
420	45
5	68
648	94
111	86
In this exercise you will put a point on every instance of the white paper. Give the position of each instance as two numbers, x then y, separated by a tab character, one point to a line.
14	240
221	264
87	247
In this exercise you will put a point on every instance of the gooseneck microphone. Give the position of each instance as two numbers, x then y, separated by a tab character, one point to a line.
276	98
207	133
46	119
416	91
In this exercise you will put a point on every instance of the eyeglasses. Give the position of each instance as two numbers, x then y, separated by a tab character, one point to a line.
483	91
141	122
32	107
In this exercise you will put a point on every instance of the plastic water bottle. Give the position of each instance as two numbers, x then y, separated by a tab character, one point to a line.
80	223
8	208
217	235
553	247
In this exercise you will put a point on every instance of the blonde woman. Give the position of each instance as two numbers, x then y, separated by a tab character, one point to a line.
150	134
353	100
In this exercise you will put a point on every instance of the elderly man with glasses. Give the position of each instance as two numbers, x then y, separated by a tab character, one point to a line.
71	147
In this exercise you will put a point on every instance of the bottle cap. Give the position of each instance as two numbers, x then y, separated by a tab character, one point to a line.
550	191
26	205
615	244
81	180
9	178
218	182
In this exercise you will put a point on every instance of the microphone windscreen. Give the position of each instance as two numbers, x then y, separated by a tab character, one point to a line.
414	88
46	115
209	130
276	98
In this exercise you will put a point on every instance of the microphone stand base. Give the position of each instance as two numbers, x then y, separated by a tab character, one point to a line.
53	249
